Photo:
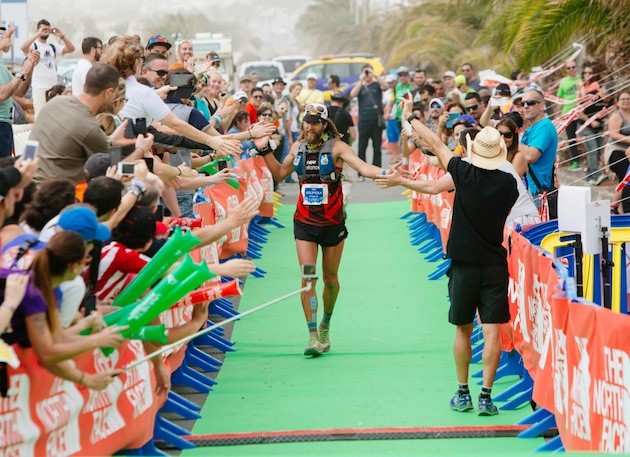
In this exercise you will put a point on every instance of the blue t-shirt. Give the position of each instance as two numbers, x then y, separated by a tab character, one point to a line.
542	136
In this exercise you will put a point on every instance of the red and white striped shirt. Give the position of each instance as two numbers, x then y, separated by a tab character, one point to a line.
118	267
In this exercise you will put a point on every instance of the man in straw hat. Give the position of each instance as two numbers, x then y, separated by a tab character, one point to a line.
478	276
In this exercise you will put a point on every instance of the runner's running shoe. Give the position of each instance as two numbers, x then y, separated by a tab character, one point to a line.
487	408
461	402
324	340
313	348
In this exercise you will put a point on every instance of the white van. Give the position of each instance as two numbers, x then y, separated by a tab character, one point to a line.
267	70
290	63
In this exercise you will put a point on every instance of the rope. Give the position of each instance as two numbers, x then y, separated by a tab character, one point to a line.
359	434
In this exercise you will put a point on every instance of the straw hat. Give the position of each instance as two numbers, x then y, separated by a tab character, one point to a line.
488	150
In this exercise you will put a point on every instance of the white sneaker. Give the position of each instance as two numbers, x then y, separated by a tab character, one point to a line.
324	339
313	348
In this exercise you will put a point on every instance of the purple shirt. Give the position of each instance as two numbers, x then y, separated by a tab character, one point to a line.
33	303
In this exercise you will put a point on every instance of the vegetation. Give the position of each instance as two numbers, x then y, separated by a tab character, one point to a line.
502	34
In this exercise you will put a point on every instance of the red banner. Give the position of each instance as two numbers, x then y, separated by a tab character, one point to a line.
46	415
576	353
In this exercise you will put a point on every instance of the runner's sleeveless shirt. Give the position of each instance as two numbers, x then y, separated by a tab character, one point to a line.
320	202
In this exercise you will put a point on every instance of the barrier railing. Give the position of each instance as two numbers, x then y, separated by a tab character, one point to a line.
572	356
45	415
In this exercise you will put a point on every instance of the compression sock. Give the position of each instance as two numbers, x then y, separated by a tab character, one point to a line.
485	392
326	320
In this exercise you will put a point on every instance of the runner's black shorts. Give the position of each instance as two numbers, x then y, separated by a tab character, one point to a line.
326	236
482	288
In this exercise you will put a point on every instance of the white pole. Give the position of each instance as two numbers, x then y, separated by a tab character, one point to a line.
168	347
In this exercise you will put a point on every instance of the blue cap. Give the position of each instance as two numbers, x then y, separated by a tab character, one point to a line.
83	220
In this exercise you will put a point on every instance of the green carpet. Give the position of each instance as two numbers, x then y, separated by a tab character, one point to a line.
391	352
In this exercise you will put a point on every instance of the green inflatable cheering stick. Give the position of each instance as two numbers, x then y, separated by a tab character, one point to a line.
212	168
176	246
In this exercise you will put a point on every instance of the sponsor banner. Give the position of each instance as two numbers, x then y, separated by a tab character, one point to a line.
46	415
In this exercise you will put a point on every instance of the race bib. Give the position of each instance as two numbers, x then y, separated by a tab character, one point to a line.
315	194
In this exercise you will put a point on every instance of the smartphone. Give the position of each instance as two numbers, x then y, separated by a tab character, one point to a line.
149	162
309	271
30	151
159	213
115	156
222	165
140	126
129	129
125	168
498	101
185	86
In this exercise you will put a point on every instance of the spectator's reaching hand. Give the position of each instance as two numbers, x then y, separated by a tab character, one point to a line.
119	139
144	142
235	268
140	170
225	147
14	289
244	212
100	380
259	130
164	90
27	168
109	337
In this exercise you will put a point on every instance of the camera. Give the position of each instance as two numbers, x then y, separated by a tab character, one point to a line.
309	271
125	168
133	129
222	165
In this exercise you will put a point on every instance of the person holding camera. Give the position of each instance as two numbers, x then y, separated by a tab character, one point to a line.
68	131
318	157
371	123
45	72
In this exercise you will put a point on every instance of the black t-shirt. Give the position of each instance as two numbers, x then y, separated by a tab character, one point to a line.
368	97
342	120
483	201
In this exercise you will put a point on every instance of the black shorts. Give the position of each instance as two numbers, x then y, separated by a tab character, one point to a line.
326	236
475	287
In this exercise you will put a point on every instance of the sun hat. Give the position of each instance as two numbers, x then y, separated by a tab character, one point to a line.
488	149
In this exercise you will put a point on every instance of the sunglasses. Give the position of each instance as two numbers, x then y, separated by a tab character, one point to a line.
472	108
160	73
506	135
529	102
315	107
264	115
571	68
435	106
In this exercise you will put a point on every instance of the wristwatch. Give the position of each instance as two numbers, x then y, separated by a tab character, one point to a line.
21	76
412	117
263	152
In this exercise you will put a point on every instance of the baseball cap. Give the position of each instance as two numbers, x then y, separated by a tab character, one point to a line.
340	98
315	112
449	74
390	78
82	220
278	80
246	78
438	101
459	80
240	95
97	165
158	39
402	70
213	57
311	76
9	177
